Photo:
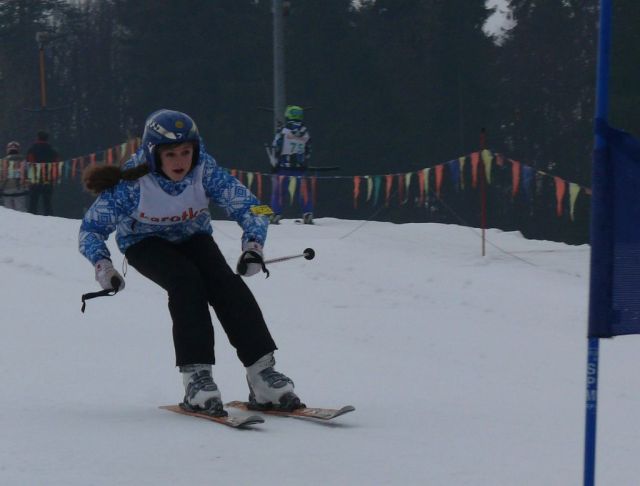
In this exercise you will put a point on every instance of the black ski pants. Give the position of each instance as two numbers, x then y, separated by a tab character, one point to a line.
195	274
44	191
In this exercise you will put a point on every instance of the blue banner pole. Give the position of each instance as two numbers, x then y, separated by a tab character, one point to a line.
598	240
591	413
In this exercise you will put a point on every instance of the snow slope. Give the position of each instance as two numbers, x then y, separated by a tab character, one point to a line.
464	370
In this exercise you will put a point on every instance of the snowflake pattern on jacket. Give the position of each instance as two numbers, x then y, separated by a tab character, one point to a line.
113	209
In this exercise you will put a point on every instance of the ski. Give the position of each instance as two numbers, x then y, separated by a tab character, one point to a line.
305	412
234	421
322	169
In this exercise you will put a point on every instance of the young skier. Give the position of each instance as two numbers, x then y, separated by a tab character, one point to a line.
291	149
158	204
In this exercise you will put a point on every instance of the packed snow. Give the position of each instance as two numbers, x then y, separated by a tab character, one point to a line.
464	369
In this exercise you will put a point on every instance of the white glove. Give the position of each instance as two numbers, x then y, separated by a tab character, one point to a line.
108	277
251	261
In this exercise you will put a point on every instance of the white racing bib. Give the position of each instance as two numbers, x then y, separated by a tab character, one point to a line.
293	144
158	207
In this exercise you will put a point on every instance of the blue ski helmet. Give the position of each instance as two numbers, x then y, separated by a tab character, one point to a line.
164	127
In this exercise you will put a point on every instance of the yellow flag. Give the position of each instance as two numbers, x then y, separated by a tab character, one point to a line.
487	158
574	190
293	182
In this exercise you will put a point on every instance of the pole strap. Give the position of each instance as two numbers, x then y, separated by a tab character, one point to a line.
93	295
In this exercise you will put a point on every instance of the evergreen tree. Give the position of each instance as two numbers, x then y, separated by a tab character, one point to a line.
547	84
625	68
19	65
434	61
210	60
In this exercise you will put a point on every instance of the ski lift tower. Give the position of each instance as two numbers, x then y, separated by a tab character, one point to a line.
42	38
280	11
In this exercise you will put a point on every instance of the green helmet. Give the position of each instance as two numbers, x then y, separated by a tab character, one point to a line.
293	112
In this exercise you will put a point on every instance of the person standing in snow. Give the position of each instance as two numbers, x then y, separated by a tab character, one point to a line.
291	150
41	152
158	204
13	186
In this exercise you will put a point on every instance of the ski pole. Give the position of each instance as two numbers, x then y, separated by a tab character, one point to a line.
307	253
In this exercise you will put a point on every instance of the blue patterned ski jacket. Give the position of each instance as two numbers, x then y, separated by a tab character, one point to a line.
113	209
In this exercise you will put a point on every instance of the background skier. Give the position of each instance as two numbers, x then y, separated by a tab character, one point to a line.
291	150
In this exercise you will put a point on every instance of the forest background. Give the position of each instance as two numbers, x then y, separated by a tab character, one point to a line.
389	86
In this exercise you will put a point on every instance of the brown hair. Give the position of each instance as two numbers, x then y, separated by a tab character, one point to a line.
100	178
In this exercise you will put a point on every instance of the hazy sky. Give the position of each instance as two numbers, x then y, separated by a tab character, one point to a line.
500	20
496	23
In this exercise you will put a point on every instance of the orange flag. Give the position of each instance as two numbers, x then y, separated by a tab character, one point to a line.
259	181
561	187
303	191
475	160
314	189
387	189
515	177
356	191
439	173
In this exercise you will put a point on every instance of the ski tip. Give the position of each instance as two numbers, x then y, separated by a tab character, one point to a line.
173	408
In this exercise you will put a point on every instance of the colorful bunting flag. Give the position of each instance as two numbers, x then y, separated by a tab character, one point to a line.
356	191
560	190
439	172
475	160
515	177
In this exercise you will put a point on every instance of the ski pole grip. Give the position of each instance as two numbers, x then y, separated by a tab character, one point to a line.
115	284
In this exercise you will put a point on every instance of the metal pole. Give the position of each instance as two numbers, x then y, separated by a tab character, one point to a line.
591	412
40	38
483	192
278	66
599	239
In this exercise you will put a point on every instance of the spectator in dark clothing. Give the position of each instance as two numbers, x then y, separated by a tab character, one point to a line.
41	152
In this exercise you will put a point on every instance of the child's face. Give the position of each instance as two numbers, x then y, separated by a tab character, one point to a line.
176	160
